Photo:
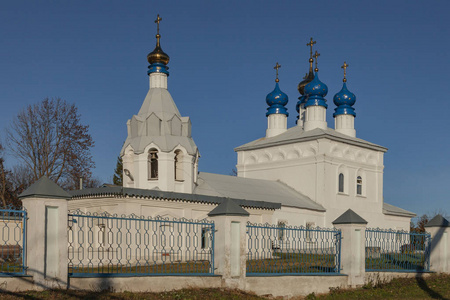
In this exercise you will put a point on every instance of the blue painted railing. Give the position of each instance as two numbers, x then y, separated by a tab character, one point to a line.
110	245
13	229
290	250
397	251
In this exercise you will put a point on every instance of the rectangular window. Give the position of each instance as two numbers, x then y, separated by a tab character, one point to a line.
281	229
359	185
205	238
309	231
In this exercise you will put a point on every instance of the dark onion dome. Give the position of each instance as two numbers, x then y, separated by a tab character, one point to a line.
315	91
344	100
276	101
305	81
158	55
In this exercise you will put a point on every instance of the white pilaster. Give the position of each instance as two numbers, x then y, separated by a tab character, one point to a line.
353	252
47	254
345	124
231	238
301	115
315	117
276	124
440	249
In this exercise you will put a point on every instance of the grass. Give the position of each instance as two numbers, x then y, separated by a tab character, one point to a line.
293	263
192	294
190	267
432	287
397	261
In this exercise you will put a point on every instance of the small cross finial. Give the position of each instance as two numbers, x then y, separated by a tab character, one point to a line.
345	66
277	66
316	55
310	44
158	19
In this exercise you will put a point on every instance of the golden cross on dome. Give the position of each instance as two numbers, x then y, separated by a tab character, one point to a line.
310	44
316	55
277	66
345	66
158	19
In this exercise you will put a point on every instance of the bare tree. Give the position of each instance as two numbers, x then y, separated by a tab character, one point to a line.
3	178
49	139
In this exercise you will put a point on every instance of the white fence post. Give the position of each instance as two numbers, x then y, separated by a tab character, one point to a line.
230	243
439	227
46	205
353	229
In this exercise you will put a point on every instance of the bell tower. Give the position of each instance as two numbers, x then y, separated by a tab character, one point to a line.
159	152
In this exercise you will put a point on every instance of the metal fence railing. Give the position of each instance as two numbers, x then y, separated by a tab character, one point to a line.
112	245
283	250
397	251
13	223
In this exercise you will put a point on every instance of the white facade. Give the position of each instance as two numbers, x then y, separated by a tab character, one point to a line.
159	152
323	172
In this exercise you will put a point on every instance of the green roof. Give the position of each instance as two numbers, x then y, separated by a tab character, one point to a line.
45	188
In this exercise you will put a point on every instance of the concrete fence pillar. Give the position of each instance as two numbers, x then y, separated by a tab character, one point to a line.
230	241
353	230
46	205
439	228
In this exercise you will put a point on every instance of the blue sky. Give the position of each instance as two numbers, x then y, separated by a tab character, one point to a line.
93	53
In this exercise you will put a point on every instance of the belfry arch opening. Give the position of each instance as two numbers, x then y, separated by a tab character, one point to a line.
152	164
178	164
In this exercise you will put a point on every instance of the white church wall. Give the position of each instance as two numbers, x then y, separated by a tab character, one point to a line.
313	168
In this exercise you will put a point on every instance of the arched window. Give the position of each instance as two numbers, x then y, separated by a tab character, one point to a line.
359	183
153	164
178	165
341	183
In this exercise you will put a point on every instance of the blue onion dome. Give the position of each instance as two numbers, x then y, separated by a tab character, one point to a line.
344	100
315	91
276	101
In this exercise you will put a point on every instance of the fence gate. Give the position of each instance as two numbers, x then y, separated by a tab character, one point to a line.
283	250
13	227
112	245
397	251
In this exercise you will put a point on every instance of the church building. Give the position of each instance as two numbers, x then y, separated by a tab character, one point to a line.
306	175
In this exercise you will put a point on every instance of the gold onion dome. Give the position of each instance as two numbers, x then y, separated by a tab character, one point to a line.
158	55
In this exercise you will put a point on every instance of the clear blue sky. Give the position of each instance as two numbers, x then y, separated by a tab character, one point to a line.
93	53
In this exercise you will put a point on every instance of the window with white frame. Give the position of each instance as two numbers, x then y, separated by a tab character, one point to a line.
359	185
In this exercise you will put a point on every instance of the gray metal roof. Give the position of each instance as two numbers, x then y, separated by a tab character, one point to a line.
157	194
228	208
389	209
438	221
160	103
297	134
45	188
349	217
254	190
